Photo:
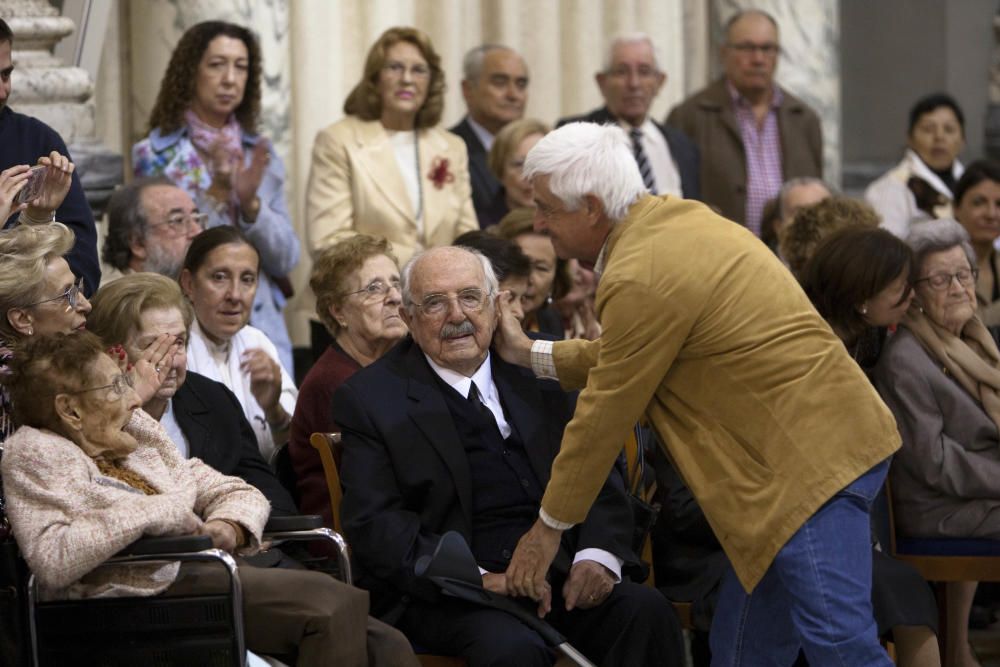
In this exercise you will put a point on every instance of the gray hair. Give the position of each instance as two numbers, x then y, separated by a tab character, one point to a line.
127	220
472	63
793	183
586	158
630	38
731	21
491	286
933	236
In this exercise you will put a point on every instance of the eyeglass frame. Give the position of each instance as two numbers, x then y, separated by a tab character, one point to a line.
749	48
175	228
398	69
372	294
973	276
71	295
117	384
484	297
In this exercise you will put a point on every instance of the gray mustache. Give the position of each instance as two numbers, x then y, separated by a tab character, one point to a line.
455	330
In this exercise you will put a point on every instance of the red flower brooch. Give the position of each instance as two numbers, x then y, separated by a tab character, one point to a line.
439	173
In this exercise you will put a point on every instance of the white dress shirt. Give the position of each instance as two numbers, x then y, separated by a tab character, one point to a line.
661	161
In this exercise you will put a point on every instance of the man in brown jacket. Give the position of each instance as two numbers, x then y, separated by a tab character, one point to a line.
777	432
753	134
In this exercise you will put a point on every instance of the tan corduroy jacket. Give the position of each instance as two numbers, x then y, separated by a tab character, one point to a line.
707	335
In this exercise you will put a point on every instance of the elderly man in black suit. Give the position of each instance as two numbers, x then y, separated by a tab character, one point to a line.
495	88
629	82
440	435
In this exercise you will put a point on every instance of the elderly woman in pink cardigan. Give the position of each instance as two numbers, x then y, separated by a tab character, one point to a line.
88	473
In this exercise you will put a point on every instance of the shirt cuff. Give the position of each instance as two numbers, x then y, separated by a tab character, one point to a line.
605	558
554	524
542	364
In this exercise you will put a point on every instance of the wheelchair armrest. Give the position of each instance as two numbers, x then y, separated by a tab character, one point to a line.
166	545
284	524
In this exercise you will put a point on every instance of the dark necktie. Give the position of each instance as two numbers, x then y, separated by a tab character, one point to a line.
642	161
477	402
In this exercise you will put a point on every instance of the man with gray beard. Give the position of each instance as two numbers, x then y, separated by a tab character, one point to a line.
151	223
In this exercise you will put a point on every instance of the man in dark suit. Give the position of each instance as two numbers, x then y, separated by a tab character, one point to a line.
629	82
441	435
495	88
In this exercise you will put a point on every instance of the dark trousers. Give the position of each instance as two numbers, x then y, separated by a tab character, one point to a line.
297	612
634	626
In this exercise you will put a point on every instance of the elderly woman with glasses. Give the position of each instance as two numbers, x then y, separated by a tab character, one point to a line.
940	376
88	473
356	283
203	137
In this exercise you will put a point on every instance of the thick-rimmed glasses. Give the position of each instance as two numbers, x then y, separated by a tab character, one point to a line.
119	386
179	223
469	300
72	296
941	281
375	290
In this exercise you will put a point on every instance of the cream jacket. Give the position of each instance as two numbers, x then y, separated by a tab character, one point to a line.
709	337
355	186
68	518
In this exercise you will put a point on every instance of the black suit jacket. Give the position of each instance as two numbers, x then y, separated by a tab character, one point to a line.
683	150
487	193
212	420
406	476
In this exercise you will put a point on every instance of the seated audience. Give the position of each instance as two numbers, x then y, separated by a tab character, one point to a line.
151	223
511	266
799	240
220	279
794	195
548	278
920	188
629	81
577	306
495	89
859	281
439	435
88	473
977	208
203	137
940	376
388	169
506	159
27	140
356	283
144	314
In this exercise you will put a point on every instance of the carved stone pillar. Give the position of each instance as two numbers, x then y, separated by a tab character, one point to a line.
45	87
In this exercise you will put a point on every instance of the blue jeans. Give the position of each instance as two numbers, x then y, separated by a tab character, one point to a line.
815	596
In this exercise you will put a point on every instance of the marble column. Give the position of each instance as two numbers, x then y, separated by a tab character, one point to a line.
991	140
157	25
810	59
60	95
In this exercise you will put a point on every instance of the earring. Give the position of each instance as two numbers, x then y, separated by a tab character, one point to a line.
864	308
31	331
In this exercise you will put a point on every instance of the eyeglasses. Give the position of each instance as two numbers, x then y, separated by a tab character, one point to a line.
748	48
119	386
375	290
643	72
399	69
72	296
469	300
179	224
941	281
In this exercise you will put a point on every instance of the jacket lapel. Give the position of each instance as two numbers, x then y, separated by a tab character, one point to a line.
192	416
522	400
429	412
378	158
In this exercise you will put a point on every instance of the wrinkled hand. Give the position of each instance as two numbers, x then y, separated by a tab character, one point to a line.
12	181
495	583
223	535
152	368
588	585
510	340
265	378
58	178
246	180
534	554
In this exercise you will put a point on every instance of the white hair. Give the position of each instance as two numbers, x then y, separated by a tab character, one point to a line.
630	38
792	183
491	284
472	63
586	158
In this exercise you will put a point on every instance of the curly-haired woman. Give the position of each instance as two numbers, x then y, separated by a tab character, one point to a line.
203	138
387	169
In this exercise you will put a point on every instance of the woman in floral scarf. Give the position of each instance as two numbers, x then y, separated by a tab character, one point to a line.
203	138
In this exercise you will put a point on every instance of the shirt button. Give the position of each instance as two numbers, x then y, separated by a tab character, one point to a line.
525	483
506	554
506	452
